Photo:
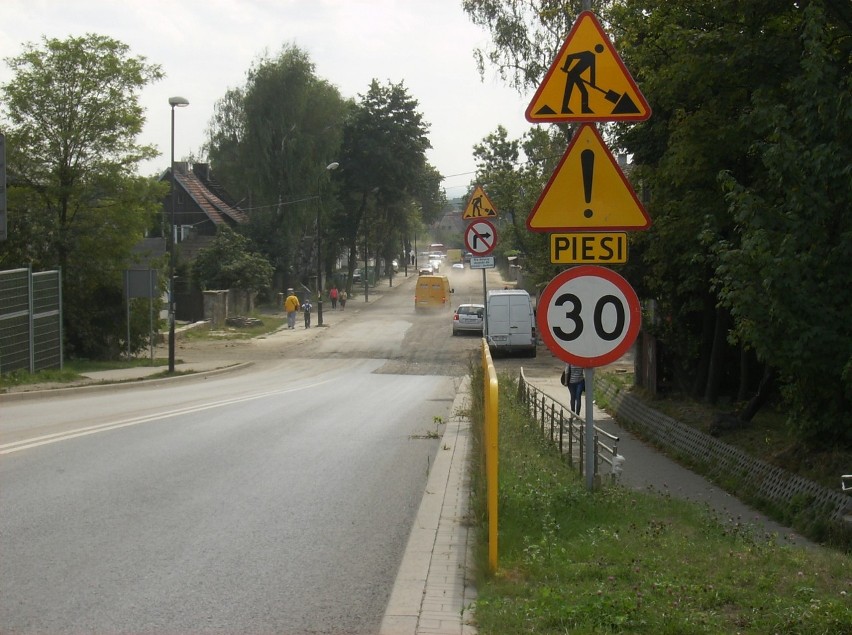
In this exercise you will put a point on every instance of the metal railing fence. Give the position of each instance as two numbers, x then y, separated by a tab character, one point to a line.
567	431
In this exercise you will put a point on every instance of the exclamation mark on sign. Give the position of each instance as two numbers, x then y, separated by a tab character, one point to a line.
587	163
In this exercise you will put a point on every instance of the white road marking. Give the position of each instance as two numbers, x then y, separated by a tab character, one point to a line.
26	444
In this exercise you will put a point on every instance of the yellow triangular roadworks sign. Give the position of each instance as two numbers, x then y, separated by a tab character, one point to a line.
587	191
587	81
479	206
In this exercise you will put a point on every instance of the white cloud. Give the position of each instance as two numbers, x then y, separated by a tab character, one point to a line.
206	47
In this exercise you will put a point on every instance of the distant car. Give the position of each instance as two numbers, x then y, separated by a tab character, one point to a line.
425	271
467	318
356	275
395	266
458	265
435	264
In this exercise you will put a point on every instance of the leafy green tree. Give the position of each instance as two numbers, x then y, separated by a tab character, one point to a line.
232	262
73	115
747	147
787	277
270	143
525	36
383	169
698	64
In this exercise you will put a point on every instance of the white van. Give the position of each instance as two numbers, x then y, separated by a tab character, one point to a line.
510	322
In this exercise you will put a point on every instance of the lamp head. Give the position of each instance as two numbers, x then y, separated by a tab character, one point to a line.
178	101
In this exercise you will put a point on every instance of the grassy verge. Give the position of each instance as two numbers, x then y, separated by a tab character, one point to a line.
72	371
269	325
618	561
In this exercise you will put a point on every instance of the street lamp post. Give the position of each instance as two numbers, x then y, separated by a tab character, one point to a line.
331	166
173	102
366	262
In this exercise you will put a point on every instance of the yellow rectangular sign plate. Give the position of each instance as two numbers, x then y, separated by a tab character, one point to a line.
588	247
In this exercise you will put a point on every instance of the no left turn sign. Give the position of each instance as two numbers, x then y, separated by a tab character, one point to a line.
588	316
480	237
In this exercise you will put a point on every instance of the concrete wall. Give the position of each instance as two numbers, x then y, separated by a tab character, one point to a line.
216	308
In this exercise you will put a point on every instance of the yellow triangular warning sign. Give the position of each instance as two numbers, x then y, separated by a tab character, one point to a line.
587	191
479	206
587	81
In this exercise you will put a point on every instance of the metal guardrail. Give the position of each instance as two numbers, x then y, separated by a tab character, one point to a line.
567	430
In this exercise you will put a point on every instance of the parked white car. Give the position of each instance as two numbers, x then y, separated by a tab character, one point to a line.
467	318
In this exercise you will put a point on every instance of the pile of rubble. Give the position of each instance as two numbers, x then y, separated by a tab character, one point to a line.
240	321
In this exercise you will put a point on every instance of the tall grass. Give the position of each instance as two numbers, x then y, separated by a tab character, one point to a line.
619	561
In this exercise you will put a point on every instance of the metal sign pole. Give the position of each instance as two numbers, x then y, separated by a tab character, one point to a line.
152	287
485	305
590	428
127	299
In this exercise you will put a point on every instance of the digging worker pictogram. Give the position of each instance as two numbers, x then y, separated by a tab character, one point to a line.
585	63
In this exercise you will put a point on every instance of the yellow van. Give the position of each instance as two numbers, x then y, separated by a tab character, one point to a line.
432	292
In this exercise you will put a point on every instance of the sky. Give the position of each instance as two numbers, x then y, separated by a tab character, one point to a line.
206	47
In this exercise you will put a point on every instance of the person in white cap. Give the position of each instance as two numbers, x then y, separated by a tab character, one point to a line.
291	305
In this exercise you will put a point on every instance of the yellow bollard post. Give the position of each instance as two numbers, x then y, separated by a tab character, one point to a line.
490	390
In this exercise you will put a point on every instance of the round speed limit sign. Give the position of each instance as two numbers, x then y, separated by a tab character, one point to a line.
588	316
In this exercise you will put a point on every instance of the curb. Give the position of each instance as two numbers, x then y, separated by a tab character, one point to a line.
432	592
107	385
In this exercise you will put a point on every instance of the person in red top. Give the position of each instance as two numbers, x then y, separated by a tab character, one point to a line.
333	294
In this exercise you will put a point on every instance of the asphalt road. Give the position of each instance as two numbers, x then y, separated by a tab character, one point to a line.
277	499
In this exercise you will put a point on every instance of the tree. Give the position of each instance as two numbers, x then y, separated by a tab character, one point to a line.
383	168
698	63
525	36
75	200
724	79
270	143
786	279
744	165
232	262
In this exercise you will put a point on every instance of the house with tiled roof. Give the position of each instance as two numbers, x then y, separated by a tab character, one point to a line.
201	207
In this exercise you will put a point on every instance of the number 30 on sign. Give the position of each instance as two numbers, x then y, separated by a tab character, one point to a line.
588	316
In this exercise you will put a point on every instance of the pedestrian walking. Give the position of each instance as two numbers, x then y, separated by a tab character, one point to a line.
306	308
573	377
291	305
344	296
333	295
